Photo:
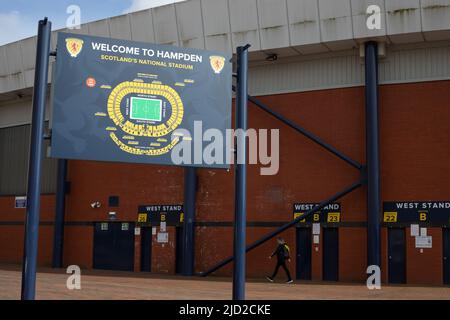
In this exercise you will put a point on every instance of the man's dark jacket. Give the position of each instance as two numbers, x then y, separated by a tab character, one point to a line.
280	251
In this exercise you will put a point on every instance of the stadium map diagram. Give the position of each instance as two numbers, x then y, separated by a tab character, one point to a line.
119	100
145	113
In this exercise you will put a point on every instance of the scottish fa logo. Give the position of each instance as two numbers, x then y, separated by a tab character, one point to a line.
74	46
217	63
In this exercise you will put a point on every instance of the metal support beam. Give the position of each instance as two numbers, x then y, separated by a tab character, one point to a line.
372	156
304	132
240	191
190	188
34	166
288	225
58	232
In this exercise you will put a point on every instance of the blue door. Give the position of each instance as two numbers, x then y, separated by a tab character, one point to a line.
146	249
114	246
303	261
446	255
397	255
330	254
179	250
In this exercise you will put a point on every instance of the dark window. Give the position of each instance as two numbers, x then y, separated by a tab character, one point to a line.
113	201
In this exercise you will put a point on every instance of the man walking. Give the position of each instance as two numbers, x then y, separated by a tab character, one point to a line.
283	254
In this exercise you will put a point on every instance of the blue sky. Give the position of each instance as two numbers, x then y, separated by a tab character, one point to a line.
18	18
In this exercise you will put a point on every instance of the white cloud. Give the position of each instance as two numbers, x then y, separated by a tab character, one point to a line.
15	26
137	5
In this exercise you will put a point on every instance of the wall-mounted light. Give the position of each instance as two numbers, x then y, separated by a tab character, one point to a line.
272	57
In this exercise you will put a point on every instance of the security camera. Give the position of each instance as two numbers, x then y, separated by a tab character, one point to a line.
96	205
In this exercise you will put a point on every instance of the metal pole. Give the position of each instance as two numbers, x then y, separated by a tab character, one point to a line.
58	234
372	155
240	210
288	225
190	188
34	169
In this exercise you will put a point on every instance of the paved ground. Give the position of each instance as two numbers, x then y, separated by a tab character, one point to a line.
97	284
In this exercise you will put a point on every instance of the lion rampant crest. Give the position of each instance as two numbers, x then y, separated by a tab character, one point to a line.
74	46
217	63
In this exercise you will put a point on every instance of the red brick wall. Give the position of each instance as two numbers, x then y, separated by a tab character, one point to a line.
12	233
79	246
11	240
414	158
316	260
414	131
134	184
352	254
137	251
163	254
425	267
212	244
9	213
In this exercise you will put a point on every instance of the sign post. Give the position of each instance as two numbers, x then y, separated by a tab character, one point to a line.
240	209
373	156
34	166
126	101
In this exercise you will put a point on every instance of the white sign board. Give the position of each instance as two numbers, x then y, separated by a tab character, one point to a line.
316	228
153	231
414	230
316	239
424	242
137	231
20	202
163	237
423	232
163	226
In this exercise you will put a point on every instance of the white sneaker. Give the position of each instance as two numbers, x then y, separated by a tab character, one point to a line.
270	279
290	281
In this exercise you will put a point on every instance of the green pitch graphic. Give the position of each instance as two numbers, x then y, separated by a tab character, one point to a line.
146	109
